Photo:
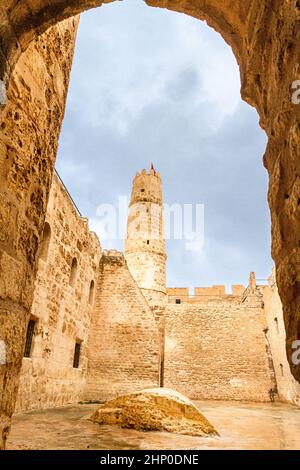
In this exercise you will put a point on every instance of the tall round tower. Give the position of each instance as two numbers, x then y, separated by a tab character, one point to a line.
145	247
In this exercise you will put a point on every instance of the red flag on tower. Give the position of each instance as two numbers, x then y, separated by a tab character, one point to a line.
152	168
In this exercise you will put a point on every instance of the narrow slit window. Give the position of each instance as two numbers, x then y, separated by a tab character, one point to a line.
29	338
77	352
277	325
281	369
73	273
44	246
91	294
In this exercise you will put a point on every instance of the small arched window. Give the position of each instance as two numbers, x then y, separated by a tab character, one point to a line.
44	245
91	293
73	273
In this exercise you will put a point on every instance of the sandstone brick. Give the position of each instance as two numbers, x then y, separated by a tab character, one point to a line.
124	338
265	38
145	247
63	312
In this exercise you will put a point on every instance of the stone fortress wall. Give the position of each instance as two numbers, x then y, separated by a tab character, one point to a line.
228	346
210	345
62	308
288	387
216	347
124	337
265	39
29	130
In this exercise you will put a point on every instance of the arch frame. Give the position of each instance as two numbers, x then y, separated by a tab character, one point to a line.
265	38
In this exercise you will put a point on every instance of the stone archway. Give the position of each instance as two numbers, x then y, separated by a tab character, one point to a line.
265	38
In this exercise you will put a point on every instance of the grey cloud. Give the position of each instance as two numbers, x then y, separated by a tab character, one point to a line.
201	162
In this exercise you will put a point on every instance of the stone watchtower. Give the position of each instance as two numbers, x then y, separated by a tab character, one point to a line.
145	247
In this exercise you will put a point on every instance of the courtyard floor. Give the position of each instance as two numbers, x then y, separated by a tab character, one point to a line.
241	426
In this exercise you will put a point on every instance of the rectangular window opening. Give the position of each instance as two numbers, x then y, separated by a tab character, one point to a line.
178	301
77	351
29	338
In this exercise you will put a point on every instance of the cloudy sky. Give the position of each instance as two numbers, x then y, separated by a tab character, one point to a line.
150	85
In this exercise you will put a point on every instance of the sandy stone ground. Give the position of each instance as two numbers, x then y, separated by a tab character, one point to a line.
241	426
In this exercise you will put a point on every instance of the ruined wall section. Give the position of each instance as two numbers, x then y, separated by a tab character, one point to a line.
124	343
62	309
218	349
288	387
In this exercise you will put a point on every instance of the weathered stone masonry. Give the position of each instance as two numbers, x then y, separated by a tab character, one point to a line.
112	320
62	308
124	337
288	387
145	246
211	345
265	38
29	129
216	346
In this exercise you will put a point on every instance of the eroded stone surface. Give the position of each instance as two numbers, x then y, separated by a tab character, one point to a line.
265	37
145	246
29	129
211	345
215	346
62	311
157	409
123	346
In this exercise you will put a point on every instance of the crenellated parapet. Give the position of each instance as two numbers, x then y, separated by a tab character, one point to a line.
216	293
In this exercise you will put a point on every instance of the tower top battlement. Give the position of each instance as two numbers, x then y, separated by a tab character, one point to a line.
151	172
147	187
